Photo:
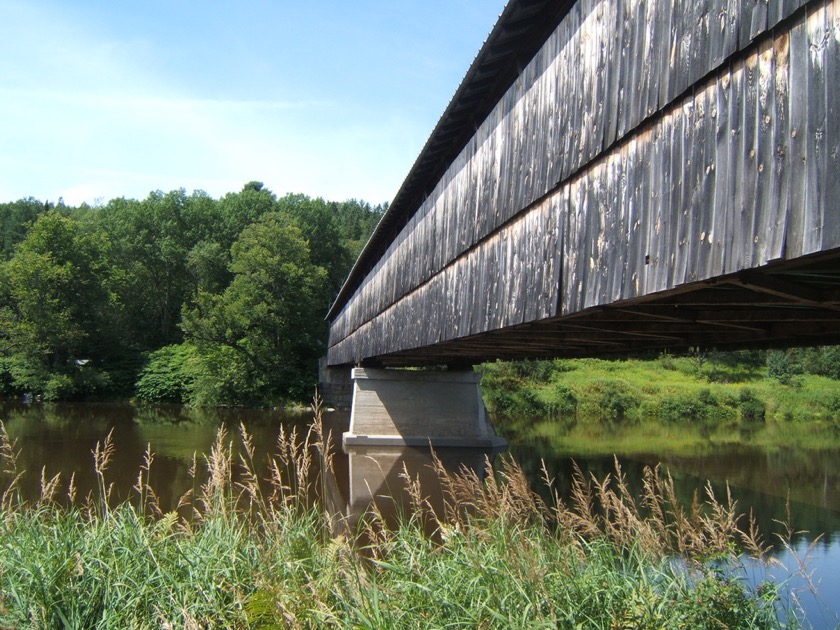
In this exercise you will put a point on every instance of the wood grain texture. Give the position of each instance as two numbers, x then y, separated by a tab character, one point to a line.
647	145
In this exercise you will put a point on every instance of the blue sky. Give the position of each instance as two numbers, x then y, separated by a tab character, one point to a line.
110	98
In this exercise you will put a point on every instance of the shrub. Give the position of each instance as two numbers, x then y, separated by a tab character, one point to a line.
507	395
782	367
683	409
564	402
563	407
752	409
823	361
6	382
666	360
834	405
702	410
616	401
170	374
706	397
564	365
537	371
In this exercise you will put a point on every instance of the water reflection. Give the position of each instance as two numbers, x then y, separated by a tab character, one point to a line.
797	487
60	439
377	478
787	485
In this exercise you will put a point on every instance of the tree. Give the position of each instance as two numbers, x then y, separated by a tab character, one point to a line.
357	220
152	241
58	309
262	335
320	227
239	210
209	265
14	219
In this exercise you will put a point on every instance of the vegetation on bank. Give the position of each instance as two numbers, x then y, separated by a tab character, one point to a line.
176	297
767	398
241	553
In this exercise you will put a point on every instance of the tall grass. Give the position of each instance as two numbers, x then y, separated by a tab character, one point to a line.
258	550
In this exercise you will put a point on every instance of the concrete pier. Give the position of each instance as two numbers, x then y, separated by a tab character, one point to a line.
415	408
334	386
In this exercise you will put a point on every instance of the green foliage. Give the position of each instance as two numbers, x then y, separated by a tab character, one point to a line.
319	227
506	395
662	402
152	242
57	311
268	323
170	374
822	361
356	221
617	401
99	288
239	558
7	387
225	377
537	371
726	601
783	367
208	263
564	402
15	218
700	409
667	361
508	391
752	408
733	367
683	408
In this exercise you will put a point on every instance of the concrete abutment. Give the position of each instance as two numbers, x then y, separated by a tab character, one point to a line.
418	408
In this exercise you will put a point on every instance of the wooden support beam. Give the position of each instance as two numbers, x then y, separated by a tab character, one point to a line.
772	285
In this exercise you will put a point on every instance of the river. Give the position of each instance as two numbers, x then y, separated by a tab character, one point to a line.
785	485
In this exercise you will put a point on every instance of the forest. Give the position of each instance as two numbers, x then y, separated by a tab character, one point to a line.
177	297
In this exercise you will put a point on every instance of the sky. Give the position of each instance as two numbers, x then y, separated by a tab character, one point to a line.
330	98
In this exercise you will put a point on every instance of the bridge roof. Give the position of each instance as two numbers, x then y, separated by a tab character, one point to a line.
520	31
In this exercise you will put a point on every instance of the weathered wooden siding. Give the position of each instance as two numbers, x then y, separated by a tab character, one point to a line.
648	144
505	281
730	178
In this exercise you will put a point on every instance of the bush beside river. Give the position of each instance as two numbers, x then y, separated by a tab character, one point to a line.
770	399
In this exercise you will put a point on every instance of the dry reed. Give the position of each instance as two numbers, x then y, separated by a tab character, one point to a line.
300	470
494	510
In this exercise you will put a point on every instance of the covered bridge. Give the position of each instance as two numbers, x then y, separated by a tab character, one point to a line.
614	176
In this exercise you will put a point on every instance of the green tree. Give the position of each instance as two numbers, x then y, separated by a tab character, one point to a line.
357	220
262	335
58	310
152	242
320	228
209	265
239	210
15	217
170	374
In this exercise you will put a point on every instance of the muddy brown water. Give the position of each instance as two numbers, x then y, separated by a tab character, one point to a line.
786	485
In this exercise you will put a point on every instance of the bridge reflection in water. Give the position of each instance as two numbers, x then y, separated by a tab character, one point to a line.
378	480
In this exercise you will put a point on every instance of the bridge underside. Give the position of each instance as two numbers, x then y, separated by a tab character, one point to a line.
779	305
658	177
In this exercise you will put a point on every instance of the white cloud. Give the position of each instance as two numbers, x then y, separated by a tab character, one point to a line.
95	105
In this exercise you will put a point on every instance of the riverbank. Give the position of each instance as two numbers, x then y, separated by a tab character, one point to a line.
681	405
238	553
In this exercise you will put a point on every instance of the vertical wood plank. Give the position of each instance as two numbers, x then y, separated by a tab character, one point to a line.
831	221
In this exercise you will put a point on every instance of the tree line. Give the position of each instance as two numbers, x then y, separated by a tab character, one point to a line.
177	297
